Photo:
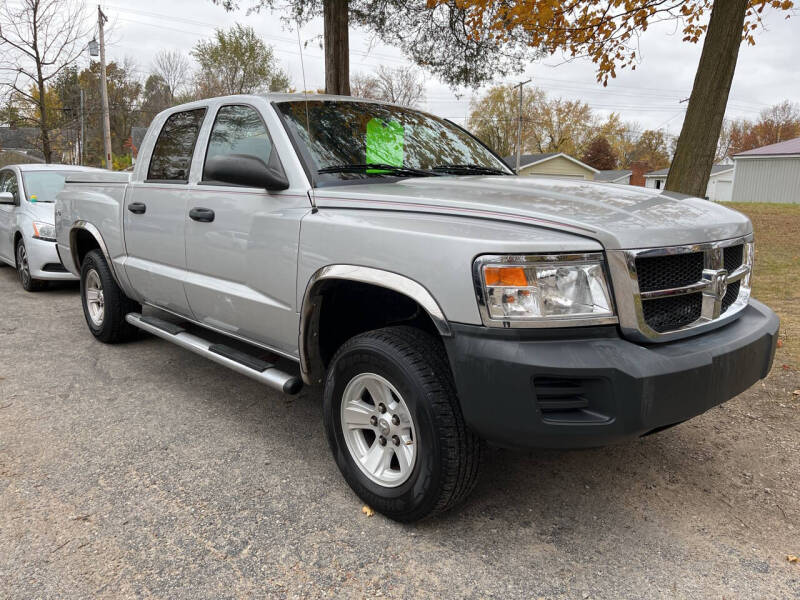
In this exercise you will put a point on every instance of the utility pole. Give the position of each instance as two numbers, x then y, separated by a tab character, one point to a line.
83	132
101	19
519	122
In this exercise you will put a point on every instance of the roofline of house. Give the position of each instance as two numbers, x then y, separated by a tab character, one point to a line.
651	175
556	155
756	156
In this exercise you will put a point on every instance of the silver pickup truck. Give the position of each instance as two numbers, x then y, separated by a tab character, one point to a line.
439	300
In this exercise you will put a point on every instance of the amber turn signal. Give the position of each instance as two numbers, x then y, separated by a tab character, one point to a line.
505	276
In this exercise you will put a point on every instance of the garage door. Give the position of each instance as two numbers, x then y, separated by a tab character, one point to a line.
723	191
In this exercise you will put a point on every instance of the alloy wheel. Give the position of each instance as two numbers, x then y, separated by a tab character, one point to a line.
95	301
23	268
378	430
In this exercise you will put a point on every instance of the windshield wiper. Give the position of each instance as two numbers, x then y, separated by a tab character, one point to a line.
469	170
389	169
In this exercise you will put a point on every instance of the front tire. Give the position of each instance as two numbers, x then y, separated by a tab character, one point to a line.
104	303
395	427
29	284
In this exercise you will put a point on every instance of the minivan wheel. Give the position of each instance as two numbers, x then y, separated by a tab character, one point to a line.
394	424
104	303
24	270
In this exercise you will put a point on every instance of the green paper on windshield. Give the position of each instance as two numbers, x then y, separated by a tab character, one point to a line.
385	142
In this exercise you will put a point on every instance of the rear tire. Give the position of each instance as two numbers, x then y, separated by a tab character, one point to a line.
104	303
414	456
29	284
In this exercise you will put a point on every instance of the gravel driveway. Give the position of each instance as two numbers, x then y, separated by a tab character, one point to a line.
142	470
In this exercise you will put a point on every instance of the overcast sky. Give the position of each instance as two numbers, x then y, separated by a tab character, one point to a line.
765	74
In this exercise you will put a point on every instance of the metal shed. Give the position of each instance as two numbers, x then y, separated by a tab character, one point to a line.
768	174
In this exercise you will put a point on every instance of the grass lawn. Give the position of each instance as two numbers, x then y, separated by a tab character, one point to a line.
777	270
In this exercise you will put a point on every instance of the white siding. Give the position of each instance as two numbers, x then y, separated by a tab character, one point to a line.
774	179
720	186
650	182
723	191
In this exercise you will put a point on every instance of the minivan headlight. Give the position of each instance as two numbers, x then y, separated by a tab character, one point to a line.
544	288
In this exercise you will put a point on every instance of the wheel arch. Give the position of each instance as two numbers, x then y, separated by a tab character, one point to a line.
16	237
85	237
356	281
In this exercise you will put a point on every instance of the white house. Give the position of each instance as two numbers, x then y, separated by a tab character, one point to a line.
768	174
720	183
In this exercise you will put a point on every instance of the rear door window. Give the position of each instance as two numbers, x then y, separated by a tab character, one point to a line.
238	129
172	155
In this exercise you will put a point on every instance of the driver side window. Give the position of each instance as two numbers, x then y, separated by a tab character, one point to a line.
238	129
8	183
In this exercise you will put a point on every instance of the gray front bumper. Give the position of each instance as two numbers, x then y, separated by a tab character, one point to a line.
584	387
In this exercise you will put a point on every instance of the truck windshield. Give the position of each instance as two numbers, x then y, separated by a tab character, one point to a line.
42	186
361	140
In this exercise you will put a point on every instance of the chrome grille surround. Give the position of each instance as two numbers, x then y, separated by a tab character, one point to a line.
713	285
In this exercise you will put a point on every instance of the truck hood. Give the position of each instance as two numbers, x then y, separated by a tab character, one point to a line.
618	216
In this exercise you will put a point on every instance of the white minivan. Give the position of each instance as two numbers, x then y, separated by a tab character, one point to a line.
27	233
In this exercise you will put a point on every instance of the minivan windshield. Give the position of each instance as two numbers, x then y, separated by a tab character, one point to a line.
42	186
351	140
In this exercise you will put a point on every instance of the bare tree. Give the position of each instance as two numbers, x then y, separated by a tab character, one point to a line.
364	85
38	40
175	69
402	85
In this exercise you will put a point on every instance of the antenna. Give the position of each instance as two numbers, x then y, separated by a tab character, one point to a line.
312	194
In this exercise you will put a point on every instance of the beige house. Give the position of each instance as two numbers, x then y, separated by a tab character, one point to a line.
555	164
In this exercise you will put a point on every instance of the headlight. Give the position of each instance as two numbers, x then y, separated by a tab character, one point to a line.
544	289
44	231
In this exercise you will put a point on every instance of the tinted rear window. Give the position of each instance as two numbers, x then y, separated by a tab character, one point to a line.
172	155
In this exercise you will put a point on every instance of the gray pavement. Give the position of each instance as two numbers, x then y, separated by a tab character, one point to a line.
141	470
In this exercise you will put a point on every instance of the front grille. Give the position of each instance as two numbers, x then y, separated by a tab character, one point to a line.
672	312
664	313
678	291
670	271
730	296
733	257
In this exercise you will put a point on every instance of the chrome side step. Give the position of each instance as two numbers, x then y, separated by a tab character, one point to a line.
236	360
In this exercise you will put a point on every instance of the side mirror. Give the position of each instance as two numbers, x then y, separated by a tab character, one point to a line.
247	170
6	198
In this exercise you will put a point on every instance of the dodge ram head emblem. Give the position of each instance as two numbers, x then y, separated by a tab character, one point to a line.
716	285
719	283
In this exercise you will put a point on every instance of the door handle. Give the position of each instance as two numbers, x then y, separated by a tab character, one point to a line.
204	215
137	208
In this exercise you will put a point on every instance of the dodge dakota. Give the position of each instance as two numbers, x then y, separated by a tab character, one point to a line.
439	300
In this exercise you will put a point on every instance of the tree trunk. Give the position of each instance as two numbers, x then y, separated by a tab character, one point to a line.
46	150
337	47
697	144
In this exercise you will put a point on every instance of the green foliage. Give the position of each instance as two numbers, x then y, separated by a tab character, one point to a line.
651	148
156	96
124	92
548	125
237	61
11	112
120	162
435	35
